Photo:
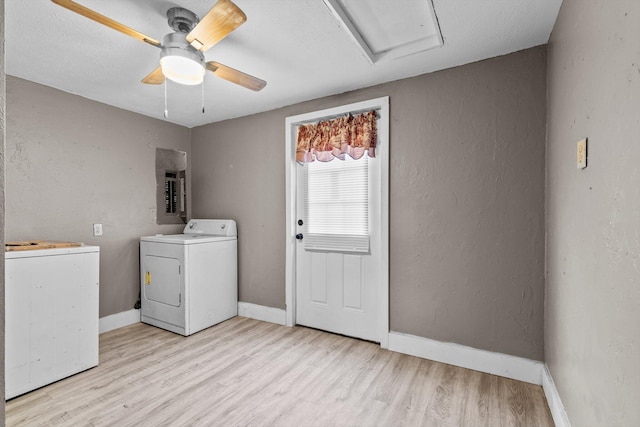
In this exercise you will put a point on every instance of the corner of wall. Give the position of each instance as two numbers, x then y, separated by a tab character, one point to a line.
260	312
556	407
118	320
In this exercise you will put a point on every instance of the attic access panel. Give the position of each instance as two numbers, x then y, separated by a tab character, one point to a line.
388	30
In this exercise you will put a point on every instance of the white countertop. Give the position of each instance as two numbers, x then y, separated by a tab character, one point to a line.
51	252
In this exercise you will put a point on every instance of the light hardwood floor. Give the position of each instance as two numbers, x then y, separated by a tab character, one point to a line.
247	372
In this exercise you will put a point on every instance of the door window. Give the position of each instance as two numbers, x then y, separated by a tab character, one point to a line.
337	205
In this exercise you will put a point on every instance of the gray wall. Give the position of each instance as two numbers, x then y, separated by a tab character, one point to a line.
2	203
466	195
72	162
592	328
234	177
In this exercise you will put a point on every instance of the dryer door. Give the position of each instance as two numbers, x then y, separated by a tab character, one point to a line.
162	280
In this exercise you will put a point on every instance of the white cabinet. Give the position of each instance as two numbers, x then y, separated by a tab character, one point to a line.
51	312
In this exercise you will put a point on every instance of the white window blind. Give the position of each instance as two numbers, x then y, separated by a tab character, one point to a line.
337	205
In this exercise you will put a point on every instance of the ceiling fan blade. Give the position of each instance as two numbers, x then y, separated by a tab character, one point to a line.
223	18
88	13
235	76
155	77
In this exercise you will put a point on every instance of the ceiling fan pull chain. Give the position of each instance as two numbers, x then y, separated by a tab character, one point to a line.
166	110
202	96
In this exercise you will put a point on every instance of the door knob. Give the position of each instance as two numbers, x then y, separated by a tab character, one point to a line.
300	222
299	236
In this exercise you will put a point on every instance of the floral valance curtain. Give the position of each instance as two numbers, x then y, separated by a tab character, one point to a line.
329	139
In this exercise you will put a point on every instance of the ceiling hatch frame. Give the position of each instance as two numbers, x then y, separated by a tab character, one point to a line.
419	43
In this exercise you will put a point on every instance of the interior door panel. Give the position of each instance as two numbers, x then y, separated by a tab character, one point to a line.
162	280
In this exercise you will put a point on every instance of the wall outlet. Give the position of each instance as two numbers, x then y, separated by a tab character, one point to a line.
97	229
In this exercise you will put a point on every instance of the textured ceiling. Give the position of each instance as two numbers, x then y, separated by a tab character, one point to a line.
297	46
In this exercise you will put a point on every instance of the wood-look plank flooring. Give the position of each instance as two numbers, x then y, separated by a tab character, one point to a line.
244	372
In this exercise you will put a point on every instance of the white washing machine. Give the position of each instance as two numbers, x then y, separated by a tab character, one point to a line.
189	281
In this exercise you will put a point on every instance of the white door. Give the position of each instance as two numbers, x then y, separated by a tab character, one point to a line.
338	291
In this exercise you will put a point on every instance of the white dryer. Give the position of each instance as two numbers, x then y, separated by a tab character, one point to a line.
189	281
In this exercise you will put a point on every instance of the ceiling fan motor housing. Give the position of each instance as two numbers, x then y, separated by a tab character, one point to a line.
176	44
182	20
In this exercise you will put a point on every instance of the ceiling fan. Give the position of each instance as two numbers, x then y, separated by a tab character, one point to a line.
181	57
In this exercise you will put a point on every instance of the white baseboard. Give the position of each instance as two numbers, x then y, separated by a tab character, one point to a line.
504	365
558	413
118	320
261	312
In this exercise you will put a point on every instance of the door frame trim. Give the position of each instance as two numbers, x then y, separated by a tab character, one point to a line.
382	152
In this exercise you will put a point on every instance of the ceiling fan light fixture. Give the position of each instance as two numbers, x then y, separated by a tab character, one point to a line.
180	62
182	70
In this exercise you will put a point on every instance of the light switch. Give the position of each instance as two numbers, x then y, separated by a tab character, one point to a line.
97	229
582	153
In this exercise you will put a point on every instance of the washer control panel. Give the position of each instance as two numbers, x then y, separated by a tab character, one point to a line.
211	227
